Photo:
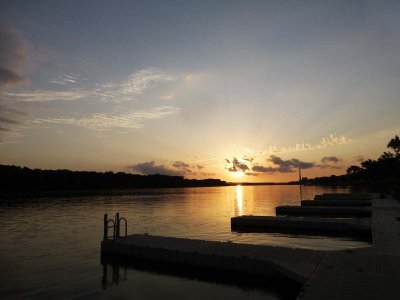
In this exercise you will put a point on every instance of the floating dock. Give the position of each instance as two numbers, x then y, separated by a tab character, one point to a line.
293	264
336	202
323	211
365	273
340	196
358	228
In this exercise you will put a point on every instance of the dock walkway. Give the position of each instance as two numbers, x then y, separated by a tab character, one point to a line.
365	273
368	273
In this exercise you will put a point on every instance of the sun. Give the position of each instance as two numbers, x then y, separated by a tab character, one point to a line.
238	174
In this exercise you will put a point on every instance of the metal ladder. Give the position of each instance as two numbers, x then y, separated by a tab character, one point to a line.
115	225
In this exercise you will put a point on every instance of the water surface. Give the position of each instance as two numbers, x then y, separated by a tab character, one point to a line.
51	246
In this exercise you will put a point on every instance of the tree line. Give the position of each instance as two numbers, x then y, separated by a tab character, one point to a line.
23	179
383	173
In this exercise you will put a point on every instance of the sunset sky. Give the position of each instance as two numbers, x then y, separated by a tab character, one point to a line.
236	90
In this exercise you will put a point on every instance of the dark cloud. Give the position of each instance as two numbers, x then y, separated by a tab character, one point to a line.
263	169
290	163
236	165
251	174
249	159
283	166
149	168
177	168
13	54
9	78
330	162
330	159
180	165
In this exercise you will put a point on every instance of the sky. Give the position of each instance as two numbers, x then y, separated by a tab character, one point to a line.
237	90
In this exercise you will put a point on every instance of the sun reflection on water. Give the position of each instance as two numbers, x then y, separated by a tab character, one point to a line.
239	200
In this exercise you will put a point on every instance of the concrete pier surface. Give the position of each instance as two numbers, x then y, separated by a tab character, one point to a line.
293	264
341	196
364	273
339	202
323	211
368	273
357	228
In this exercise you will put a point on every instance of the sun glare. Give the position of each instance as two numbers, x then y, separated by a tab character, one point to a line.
238	174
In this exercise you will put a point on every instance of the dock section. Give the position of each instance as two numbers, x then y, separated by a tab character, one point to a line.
369	273
323	211
358	228
336	202
293	264
365	273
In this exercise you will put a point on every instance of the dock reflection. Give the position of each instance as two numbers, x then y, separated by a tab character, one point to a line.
116	271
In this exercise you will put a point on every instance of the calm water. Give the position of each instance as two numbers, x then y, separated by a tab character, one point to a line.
50	247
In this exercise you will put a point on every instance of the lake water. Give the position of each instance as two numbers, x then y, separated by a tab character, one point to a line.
50	247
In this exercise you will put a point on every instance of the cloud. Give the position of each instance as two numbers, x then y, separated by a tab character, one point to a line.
330	162
13	54
180	165
333	140
283	166
13	59
177	168
66	79
103	121
127	90
291	163
330	159
249	159
263	169
149	168
236	166
168	97
296	148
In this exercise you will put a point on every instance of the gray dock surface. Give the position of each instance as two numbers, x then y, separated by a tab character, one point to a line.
336	202
323	211
365	273
360	228
293	264
368	273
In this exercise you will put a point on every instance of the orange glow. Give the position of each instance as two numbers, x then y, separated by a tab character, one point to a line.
239	200
238	174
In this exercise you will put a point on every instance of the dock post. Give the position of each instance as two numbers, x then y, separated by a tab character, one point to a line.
105	227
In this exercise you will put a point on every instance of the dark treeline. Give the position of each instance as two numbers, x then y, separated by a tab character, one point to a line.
382	174
15	179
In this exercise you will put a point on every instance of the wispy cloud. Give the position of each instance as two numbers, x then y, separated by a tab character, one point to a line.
333	140
330	141
290	149
104	121
66	79
127	90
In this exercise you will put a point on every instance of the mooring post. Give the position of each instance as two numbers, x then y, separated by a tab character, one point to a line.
105	227
117	225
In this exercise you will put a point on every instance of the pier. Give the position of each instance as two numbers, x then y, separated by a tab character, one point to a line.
365	273
323	211
356	228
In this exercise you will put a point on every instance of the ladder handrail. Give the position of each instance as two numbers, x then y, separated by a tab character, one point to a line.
115	225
